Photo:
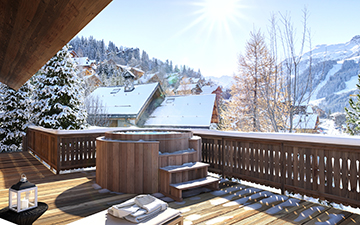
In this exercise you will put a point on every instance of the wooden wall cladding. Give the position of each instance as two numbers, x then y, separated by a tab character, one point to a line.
127	167
32	31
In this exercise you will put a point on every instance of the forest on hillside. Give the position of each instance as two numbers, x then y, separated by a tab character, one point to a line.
107	56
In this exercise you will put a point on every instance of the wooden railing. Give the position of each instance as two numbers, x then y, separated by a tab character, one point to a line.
62	149
323	167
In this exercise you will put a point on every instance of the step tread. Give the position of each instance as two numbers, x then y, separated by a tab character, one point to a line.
186	166
195	183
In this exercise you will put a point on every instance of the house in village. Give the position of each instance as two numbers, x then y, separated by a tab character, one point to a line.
212	89
188	85
87	69
128	108
185	111
138	73
305	120
146	106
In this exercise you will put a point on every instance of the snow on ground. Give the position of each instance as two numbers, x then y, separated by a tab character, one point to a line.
328	127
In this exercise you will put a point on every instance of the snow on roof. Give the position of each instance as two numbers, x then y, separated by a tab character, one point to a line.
190	80
118	102
183	111
186	87
208	89
138	70
84	61
305	121
309	110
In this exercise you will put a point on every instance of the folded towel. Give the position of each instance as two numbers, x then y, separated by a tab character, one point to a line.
138	209
150	203
124	209
144	217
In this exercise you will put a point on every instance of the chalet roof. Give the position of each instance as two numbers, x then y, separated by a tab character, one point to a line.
33	31
183	111
191	80
307	121
120	103
129	68
84	61
208	89
186	87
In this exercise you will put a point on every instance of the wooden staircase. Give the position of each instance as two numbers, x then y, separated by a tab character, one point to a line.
175	179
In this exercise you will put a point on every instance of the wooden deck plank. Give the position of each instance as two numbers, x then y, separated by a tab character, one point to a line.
353	219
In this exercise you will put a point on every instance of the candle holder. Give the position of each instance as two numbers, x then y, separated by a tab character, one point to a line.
23	195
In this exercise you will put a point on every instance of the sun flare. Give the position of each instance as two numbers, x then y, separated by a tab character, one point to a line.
215	19
220	11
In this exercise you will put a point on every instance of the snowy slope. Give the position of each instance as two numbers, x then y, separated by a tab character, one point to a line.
334	73
225	81
341	51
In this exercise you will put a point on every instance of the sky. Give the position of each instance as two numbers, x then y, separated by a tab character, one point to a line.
210	34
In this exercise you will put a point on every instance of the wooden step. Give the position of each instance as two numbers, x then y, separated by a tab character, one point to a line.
185	167
176	189
195	183
178	174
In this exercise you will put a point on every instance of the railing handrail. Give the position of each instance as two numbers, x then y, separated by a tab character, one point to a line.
314	165
74	132
350	141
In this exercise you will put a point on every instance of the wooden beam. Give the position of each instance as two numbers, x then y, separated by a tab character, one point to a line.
32	31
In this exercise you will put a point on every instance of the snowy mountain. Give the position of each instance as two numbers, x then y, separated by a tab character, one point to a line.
225	81
334	71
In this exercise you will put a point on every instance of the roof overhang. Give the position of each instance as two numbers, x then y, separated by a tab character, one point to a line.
32	31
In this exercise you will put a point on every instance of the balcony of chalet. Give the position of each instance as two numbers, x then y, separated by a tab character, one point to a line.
325	168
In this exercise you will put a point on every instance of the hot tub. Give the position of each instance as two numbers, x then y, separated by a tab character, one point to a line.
127	161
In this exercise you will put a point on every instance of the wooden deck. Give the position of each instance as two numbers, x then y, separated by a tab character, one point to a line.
72	196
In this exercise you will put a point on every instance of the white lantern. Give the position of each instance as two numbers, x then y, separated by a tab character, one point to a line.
23	195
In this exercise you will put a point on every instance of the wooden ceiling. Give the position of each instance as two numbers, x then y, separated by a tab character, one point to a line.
32	31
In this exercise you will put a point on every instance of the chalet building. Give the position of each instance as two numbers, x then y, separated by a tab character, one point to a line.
305	120
185	111
138	73
151	78
187	89
128	108
87	69
212	89
189	85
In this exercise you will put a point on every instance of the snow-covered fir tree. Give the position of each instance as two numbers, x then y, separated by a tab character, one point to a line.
59	95
14	118
353	114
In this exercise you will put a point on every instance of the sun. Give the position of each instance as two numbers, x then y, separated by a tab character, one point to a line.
215	17
220	10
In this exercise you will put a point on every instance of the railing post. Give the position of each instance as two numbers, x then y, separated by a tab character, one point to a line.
58	154
282	168
25	141
223	157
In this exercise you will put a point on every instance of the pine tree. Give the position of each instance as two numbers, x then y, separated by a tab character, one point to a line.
59	96
15	117
353	114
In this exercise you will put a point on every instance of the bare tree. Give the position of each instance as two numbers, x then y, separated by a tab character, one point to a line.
297	92
97	113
